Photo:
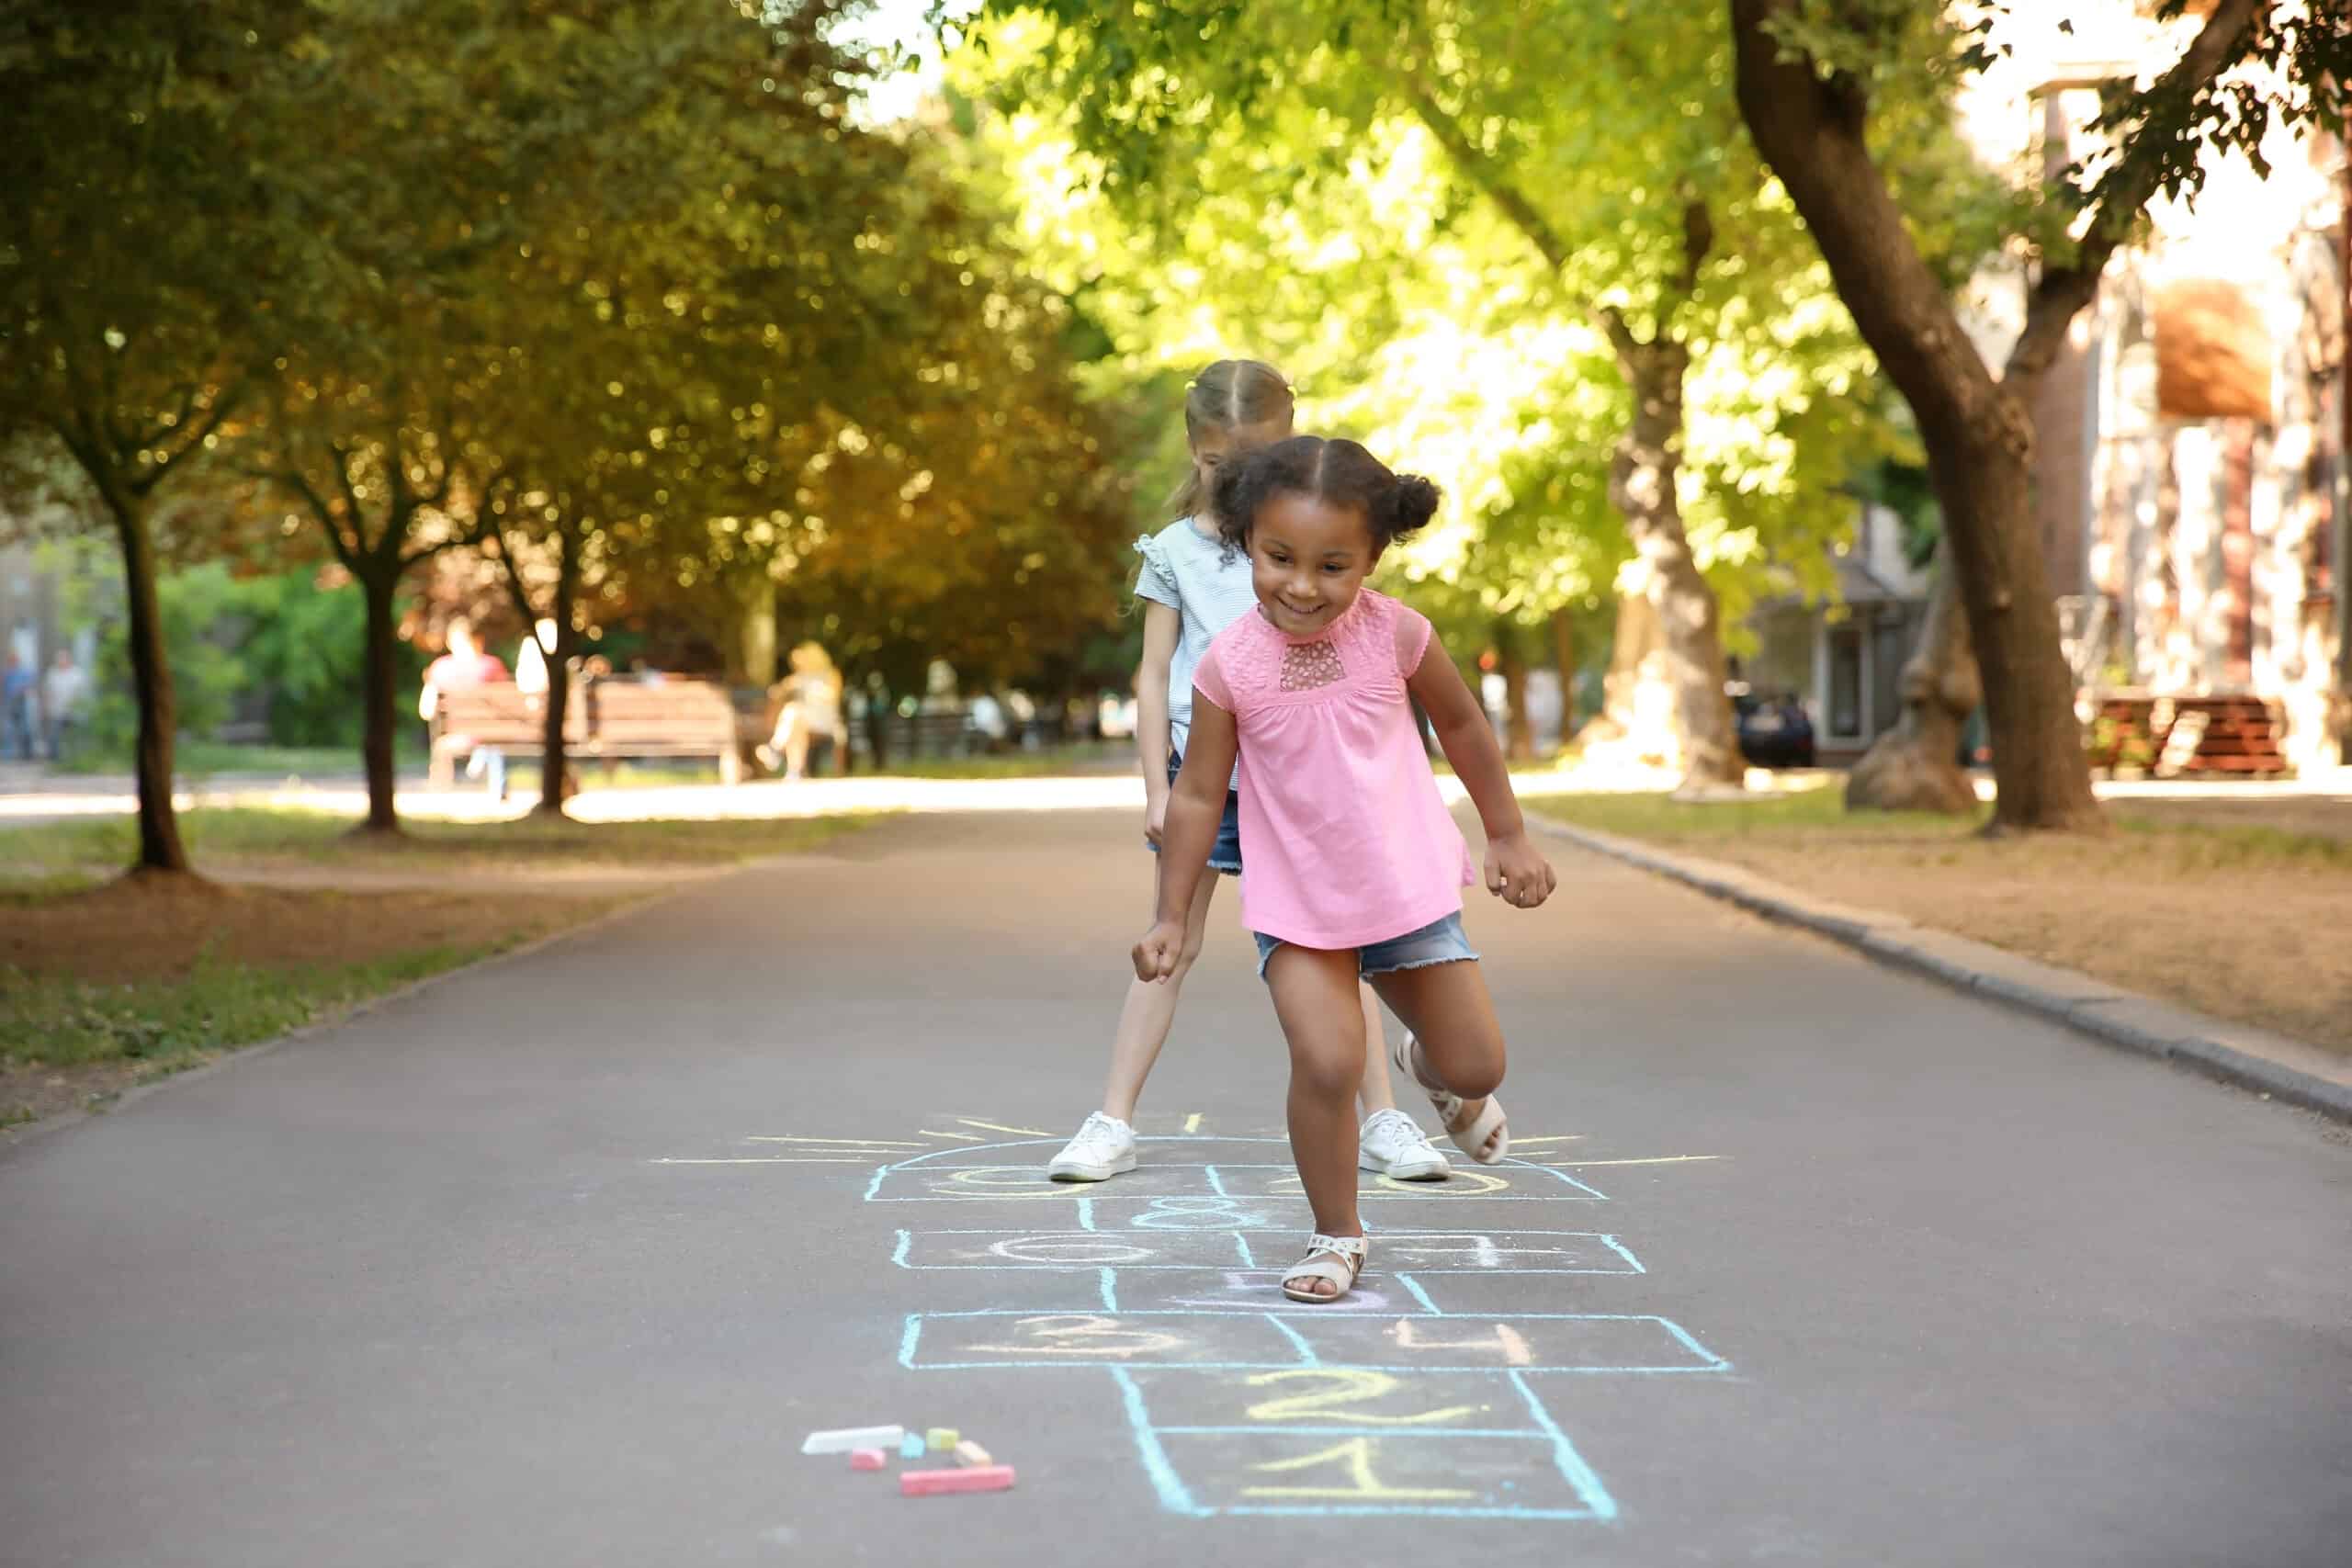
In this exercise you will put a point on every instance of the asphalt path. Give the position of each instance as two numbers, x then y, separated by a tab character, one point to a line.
557	1261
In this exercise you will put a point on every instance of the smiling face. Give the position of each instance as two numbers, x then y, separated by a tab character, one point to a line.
1308	559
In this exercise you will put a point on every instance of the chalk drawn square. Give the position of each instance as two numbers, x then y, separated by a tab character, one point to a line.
1248	1290
1518	1469
1334	1401
1511	1183
1028	1183
1426	1252
963	1340
1074	1250
1522	1342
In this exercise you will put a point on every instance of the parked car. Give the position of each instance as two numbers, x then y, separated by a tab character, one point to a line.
1774	732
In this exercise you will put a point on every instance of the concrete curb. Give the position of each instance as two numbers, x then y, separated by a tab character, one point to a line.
2272	1064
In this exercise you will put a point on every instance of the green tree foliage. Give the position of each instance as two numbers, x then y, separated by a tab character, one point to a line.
155	243
1495	276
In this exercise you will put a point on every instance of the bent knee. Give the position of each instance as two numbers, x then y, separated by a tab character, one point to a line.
1327	1075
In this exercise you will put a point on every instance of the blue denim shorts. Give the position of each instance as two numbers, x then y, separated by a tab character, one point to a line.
1225	856
1440	942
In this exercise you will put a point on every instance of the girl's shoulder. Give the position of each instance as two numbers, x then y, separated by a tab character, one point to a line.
1183	539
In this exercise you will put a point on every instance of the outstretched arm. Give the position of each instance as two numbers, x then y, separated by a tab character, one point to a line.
1195	808
1161	628
1514	869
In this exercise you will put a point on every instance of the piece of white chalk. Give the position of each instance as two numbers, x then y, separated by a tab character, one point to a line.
929	1482
968	1452
842	1439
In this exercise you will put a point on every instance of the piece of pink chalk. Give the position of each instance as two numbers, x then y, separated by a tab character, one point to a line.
980	1478
867	1459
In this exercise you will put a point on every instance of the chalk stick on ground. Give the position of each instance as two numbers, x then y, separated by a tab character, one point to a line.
944	1438
910	1446
970	1453
931	1483
842	1439
868	1458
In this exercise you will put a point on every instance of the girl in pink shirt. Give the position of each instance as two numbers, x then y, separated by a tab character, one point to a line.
1352	866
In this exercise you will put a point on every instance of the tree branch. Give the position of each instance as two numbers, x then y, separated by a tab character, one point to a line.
195	439
2064	291
1808	135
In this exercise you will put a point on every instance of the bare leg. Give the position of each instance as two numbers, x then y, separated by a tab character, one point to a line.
1450	1013
793	725
1322	1018
1375	1094
1150	1013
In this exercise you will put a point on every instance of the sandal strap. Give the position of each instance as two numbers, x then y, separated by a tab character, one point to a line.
1345	1246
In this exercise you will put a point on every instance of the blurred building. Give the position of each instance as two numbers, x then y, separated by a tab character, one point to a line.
2191	487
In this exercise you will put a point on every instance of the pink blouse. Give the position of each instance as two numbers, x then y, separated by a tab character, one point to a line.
1344	841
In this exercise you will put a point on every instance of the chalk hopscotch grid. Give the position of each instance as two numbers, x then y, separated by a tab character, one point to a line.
1028	1190
1594	1502
1202	1222
1704	1362
902	1252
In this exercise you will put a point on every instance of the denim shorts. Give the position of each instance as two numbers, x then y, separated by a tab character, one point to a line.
1440	942
1225	856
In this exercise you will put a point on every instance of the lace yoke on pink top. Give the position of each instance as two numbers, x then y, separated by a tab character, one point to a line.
1344	840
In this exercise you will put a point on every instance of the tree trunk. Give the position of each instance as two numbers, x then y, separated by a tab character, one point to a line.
1519	734
1564	655
1978	434
150	674
555	765
1915	766
877	724
2041	771
381	698
553	762
1690	623
756	635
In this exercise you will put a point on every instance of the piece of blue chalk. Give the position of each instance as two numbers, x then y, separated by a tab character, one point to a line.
911	1445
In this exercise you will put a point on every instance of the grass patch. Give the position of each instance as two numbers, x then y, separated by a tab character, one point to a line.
1089	758
106	982
2235	917
170	1023
203	759
58	855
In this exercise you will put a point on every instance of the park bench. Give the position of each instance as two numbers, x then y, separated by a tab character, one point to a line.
605	720
2173	735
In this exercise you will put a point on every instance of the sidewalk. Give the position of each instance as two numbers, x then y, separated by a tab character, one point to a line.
2272	1064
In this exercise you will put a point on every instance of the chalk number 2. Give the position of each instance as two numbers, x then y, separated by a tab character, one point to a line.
1344	1387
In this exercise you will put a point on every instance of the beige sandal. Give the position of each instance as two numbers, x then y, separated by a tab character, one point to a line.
1337	1259
1468	1134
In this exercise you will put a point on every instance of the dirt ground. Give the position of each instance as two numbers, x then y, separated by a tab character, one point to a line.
126	930
2251	938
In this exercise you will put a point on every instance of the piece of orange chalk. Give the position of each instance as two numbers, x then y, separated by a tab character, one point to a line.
970	1455
928	1483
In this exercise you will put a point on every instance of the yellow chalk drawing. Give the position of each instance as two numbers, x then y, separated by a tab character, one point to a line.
1504	1341
1351	1385
1192	1122
1461	1184
1003	1181
1362	1487
1077	1334
1659	1159
1000	1127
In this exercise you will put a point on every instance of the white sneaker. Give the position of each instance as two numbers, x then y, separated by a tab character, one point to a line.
1104	1147
1394	1144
